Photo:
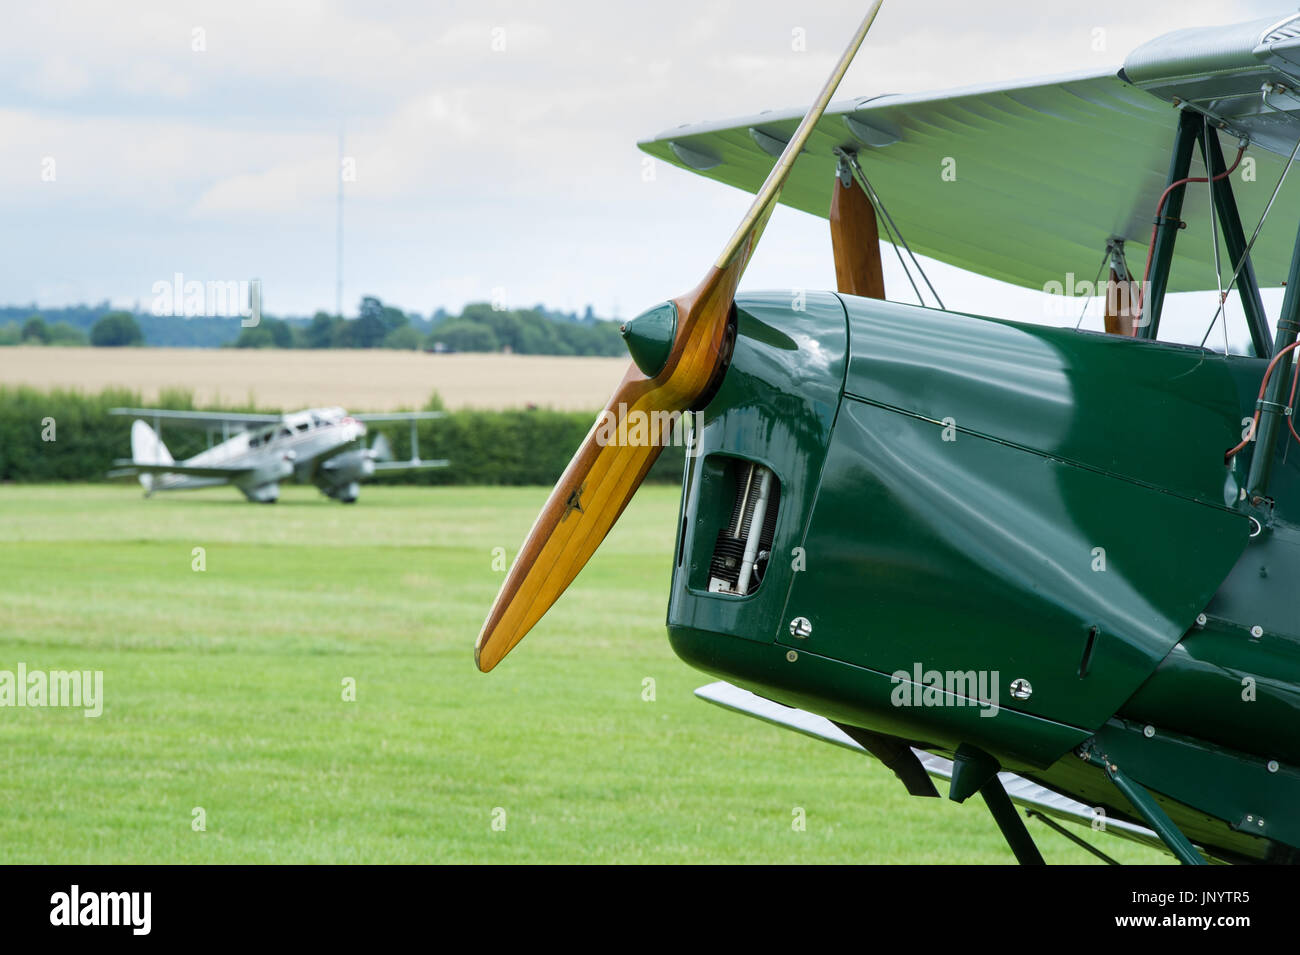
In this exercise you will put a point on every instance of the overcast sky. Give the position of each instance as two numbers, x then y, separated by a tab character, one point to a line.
477	168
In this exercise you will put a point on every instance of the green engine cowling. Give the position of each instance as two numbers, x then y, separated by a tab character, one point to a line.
1034	515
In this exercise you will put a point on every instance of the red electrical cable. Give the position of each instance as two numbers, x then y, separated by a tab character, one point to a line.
1263	385
1155	227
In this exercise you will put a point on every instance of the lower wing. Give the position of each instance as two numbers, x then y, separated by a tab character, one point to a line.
127	468
391	467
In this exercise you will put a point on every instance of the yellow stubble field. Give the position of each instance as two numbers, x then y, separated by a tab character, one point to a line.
371	380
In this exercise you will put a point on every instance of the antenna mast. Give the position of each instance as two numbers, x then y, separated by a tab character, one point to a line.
338	263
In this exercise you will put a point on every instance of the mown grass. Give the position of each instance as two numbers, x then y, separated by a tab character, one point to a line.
224	690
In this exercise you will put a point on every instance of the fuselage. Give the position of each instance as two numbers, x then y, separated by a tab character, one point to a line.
1018	538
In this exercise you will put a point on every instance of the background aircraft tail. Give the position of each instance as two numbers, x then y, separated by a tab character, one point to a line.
148	448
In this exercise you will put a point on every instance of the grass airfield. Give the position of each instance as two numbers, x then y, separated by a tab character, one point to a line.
224	691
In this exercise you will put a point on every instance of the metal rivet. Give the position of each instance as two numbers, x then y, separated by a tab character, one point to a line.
1260	823
1020	689
1148	731
801	628
1201	619
1257	631
1272	765
792	656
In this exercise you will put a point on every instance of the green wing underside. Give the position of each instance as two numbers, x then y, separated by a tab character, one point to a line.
1023	183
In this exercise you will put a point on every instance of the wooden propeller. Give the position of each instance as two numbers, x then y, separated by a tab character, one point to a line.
608	468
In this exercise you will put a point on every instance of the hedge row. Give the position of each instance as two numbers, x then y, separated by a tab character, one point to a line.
61	435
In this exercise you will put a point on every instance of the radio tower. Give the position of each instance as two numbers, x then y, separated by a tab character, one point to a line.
338	264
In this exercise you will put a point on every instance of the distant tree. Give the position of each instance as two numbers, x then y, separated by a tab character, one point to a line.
116	329
268	333
343	335
371	324
405	337
393	318
281	332
35	331
259	336
320	333
11	333
65	333
368	331
462	335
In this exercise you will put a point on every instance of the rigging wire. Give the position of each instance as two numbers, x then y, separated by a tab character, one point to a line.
1214	241
894	242
1088	301
1245	256
906	271
891	226
1160	207
889	232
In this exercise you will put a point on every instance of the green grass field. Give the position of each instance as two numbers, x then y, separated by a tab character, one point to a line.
224	690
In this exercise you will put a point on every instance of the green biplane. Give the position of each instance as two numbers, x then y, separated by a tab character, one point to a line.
1048	565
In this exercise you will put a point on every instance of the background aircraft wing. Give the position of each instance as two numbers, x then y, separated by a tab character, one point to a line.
383	455
125	467
389	467
199	419
400	416
1021	182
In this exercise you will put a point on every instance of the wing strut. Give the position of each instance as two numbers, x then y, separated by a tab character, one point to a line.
849	160
1225	206
855	238
1120	291
1148	809
974	770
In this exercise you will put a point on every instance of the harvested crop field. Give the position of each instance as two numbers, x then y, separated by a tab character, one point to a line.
376	380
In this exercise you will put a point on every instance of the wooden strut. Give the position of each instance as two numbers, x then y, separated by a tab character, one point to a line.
1120	303
855	241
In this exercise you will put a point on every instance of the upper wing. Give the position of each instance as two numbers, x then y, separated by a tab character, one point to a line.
401	416
1024	182
200	418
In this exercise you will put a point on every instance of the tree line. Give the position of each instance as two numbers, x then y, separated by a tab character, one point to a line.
64	435
479	327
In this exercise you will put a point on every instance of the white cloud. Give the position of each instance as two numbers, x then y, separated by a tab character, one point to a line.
475	168
57	78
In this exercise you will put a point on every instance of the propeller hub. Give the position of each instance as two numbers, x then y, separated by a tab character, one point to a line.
649	337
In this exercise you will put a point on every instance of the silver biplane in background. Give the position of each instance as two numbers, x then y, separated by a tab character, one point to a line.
320	446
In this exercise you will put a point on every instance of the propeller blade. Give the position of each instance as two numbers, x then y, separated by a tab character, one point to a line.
580	511
741	245
602	477
606	471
